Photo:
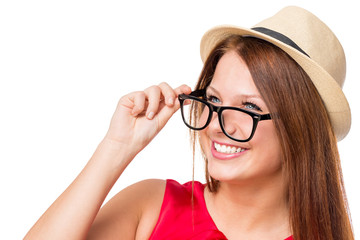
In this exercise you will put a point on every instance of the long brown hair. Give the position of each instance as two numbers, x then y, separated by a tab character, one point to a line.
318	207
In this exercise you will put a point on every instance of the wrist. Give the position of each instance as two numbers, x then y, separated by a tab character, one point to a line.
114	154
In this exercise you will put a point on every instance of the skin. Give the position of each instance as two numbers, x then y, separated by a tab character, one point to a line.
250	203
133	212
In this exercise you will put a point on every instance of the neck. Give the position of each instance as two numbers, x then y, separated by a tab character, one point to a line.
251	206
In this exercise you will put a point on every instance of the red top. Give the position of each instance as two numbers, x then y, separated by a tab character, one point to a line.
179	219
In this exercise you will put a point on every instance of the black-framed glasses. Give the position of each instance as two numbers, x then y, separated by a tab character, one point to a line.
238	124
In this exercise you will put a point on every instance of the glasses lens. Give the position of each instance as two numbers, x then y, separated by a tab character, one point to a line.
195	113
237	124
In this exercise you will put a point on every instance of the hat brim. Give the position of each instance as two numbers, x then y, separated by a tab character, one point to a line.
329	90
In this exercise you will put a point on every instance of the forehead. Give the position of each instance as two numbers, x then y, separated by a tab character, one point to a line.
232	76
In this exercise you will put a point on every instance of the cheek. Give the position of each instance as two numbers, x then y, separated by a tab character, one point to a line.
266	132
203	141
203	117
267	144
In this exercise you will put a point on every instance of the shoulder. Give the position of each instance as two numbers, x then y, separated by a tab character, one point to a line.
131	212
140	194
148	186
145	195
150	194
165	195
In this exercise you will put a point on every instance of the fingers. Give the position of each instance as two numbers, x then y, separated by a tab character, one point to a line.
161	95
168	93
138	99
182	89
165	114
153	99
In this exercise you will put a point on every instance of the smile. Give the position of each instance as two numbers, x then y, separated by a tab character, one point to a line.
227	149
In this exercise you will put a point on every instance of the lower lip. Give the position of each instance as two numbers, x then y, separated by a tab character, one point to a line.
224	156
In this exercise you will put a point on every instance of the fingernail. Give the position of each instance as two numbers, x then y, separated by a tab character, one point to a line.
150	115
171	101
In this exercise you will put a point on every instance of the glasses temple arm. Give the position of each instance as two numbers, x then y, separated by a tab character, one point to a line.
198	93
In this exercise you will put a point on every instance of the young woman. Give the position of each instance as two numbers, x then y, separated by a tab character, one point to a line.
267	111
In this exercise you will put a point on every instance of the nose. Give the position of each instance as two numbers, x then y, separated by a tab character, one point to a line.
215	126
231	126
230	129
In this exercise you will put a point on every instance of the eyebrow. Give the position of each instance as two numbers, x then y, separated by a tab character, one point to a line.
241	96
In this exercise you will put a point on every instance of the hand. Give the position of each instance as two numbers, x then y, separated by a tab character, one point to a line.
139	116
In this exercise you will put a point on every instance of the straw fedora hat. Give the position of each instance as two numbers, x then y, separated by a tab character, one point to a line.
311	44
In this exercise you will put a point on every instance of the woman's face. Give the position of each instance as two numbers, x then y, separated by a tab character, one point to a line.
258	159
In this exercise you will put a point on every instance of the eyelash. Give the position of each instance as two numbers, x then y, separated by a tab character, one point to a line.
255	107
210	98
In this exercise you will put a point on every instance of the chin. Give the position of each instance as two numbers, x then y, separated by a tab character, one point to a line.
226	172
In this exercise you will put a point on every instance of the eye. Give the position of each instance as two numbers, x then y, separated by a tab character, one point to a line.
212	99
251	106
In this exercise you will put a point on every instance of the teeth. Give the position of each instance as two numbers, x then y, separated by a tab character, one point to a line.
227	149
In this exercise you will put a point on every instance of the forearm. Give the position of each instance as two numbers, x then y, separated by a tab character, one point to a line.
139	116
72	214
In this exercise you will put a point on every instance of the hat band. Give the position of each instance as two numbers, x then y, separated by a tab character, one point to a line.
280	37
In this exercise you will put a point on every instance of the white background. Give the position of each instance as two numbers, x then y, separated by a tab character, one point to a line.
64	65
